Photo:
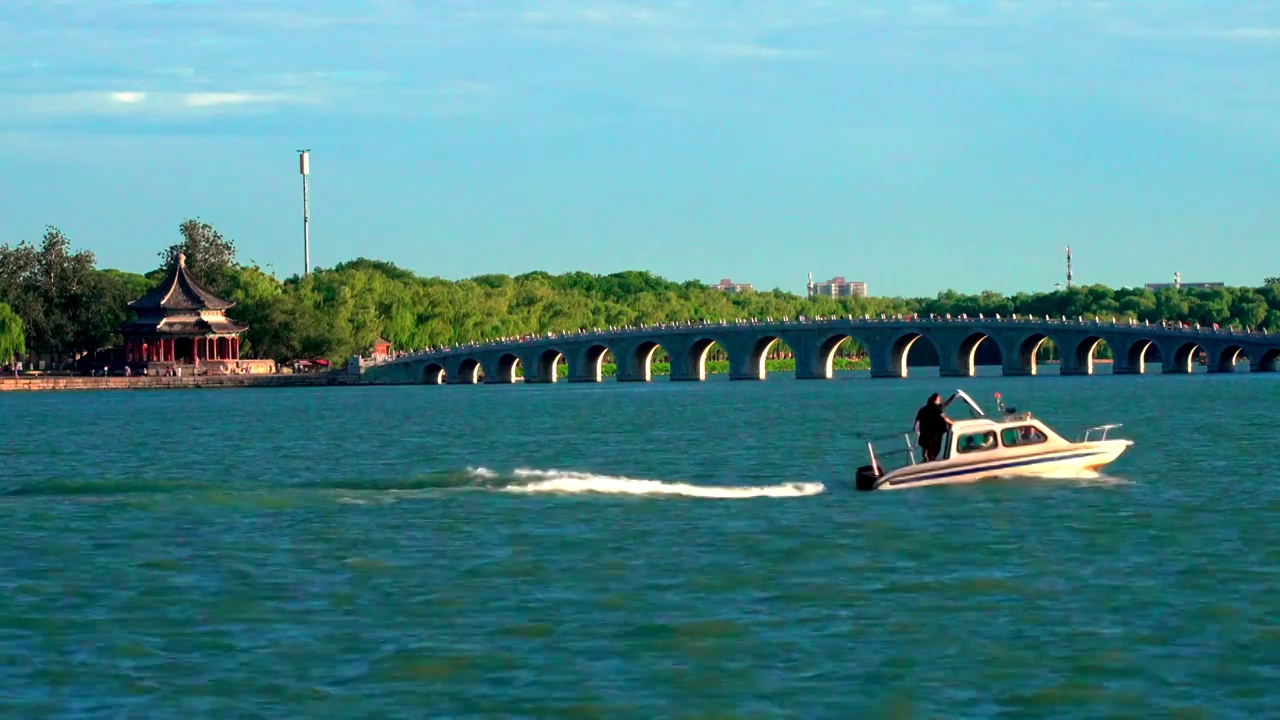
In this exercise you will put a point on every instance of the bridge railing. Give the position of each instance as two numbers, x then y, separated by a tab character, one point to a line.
802	321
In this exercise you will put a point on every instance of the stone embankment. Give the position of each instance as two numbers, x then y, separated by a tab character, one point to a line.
156	383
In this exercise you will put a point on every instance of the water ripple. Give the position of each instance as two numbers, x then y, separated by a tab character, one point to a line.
697	553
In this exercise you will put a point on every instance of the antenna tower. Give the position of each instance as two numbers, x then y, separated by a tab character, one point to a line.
304	167
1069	283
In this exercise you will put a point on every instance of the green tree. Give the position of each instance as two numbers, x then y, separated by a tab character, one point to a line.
12	338
58	293
211	258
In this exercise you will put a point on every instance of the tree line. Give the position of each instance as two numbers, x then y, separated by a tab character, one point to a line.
59	302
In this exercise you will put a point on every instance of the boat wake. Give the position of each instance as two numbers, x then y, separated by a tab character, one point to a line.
380	491
1085	477
528	481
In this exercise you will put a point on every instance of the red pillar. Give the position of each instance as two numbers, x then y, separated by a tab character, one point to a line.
235	348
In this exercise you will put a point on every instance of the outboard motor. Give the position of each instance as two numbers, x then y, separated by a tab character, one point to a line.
866	478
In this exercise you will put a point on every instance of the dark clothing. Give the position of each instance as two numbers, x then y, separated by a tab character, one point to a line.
932	420
933	425
930	446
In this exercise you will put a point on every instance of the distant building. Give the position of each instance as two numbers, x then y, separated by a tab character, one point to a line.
181	322
729	286
837	287
1177	284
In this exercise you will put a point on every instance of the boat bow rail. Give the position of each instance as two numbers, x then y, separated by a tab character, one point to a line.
908	449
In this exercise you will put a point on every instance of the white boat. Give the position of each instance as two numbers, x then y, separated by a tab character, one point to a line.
1012	444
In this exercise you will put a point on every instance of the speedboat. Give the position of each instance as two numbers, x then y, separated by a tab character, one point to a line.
1011	444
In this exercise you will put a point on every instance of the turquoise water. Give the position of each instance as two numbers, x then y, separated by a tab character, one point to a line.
595	551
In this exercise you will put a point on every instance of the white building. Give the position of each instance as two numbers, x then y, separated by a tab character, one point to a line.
837	287
1177	284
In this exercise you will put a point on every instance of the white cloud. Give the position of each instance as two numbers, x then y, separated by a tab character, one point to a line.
138	103
714	50
1252	33
215	99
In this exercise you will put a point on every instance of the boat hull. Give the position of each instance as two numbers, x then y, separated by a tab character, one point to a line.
1059	462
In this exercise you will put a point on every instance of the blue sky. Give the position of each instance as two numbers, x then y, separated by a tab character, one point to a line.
916	145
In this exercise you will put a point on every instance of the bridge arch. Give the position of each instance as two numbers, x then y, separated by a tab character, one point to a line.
433	374
1083	355
967	352
758	354
695	360
642	359
545	366
1228	359
469	371
1026	351
827	350
1269	362
506	370
900	350
595	357
1139	352
1182	359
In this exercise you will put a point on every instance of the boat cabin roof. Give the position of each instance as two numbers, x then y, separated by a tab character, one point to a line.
984	424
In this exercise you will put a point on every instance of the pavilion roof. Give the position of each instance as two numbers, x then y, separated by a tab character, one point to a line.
180	291
195	327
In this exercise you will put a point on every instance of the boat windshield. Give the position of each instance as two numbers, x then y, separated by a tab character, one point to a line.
974	411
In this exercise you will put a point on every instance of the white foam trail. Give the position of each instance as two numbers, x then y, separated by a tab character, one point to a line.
555	481
481	472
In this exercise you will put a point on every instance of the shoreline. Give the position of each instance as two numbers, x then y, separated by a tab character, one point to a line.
47	383
54	383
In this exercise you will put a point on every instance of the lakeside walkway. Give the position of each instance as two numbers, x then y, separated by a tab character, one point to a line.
64	382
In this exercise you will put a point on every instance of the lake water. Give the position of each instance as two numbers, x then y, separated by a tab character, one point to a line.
630	551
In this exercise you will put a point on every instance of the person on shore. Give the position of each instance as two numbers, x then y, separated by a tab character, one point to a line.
931	424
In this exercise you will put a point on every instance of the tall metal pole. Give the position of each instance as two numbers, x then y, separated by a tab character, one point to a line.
304	166
1069	285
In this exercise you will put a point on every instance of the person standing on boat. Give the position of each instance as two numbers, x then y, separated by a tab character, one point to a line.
931	424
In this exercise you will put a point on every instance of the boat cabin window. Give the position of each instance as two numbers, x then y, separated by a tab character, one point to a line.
1022	435
975	442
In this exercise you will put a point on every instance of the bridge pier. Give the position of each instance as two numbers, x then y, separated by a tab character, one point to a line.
807	350
882	365
1070	365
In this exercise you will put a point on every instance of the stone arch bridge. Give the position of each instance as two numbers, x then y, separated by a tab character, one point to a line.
888	341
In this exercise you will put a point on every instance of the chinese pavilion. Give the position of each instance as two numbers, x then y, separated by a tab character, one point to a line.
181	321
